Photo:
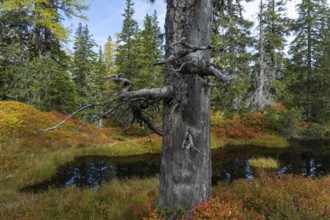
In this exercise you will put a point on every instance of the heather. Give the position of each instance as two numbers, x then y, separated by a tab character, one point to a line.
28	156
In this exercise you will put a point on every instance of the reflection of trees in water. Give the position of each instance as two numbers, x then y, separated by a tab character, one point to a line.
228	164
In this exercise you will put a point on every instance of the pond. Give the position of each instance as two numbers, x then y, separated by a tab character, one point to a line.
229	163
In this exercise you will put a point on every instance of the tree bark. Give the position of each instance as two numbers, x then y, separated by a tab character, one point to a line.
185	175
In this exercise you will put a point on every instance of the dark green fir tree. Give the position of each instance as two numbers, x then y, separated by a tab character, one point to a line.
306	51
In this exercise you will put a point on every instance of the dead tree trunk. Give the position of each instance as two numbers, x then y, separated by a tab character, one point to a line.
185	178
265	74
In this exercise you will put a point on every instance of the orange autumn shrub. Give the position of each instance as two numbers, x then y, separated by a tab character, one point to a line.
247	127
218	209
268	197
22	122
235	129
285	197
255	121
251	126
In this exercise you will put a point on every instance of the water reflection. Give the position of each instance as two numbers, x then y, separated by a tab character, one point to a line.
228	164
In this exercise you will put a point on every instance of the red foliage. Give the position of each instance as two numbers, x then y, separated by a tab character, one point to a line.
71	120
221	209
235	129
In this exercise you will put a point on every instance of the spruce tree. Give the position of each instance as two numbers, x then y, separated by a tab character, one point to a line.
306	50
232	38
99	75
321	86
83	62
149	52
31	35
272	30
127	53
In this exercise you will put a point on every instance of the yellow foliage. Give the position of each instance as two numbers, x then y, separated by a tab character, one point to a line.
23	122
45	15
265	163
217	118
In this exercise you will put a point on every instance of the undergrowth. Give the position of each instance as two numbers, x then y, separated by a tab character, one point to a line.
23	123
284	197
246	130
28	156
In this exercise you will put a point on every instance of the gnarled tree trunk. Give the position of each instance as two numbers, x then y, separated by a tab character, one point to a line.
185	178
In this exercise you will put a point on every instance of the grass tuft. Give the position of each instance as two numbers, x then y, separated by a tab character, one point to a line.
265	163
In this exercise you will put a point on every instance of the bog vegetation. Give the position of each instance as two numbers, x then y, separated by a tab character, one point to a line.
275	94
29	156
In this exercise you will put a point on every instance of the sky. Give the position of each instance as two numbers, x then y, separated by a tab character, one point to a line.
105	16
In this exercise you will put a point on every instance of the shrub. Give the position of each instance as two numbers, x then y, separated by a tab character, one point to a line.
286	122
315	131
23	122
217	118
284	197
217	208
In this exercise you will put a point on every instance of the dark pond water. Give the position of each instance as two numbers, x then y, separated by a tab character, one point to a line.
230	163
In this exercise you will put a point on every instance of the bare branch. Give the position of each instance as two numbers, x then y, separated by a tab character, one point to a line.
156	93
150	124
130	121
196	47
118	78
217	73
181	67
165	61
127	84
76	112
99	116
189	46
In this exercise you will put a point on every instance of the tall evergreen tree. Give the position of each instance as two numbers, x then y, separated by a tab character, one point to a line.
306	49
232	38
149	52
99	75
84	58
32	34
321	86
127	52
272	29
51	86
110	54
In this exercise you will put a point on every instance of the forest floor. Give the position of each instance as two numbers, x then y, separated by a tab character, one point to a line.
28	156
